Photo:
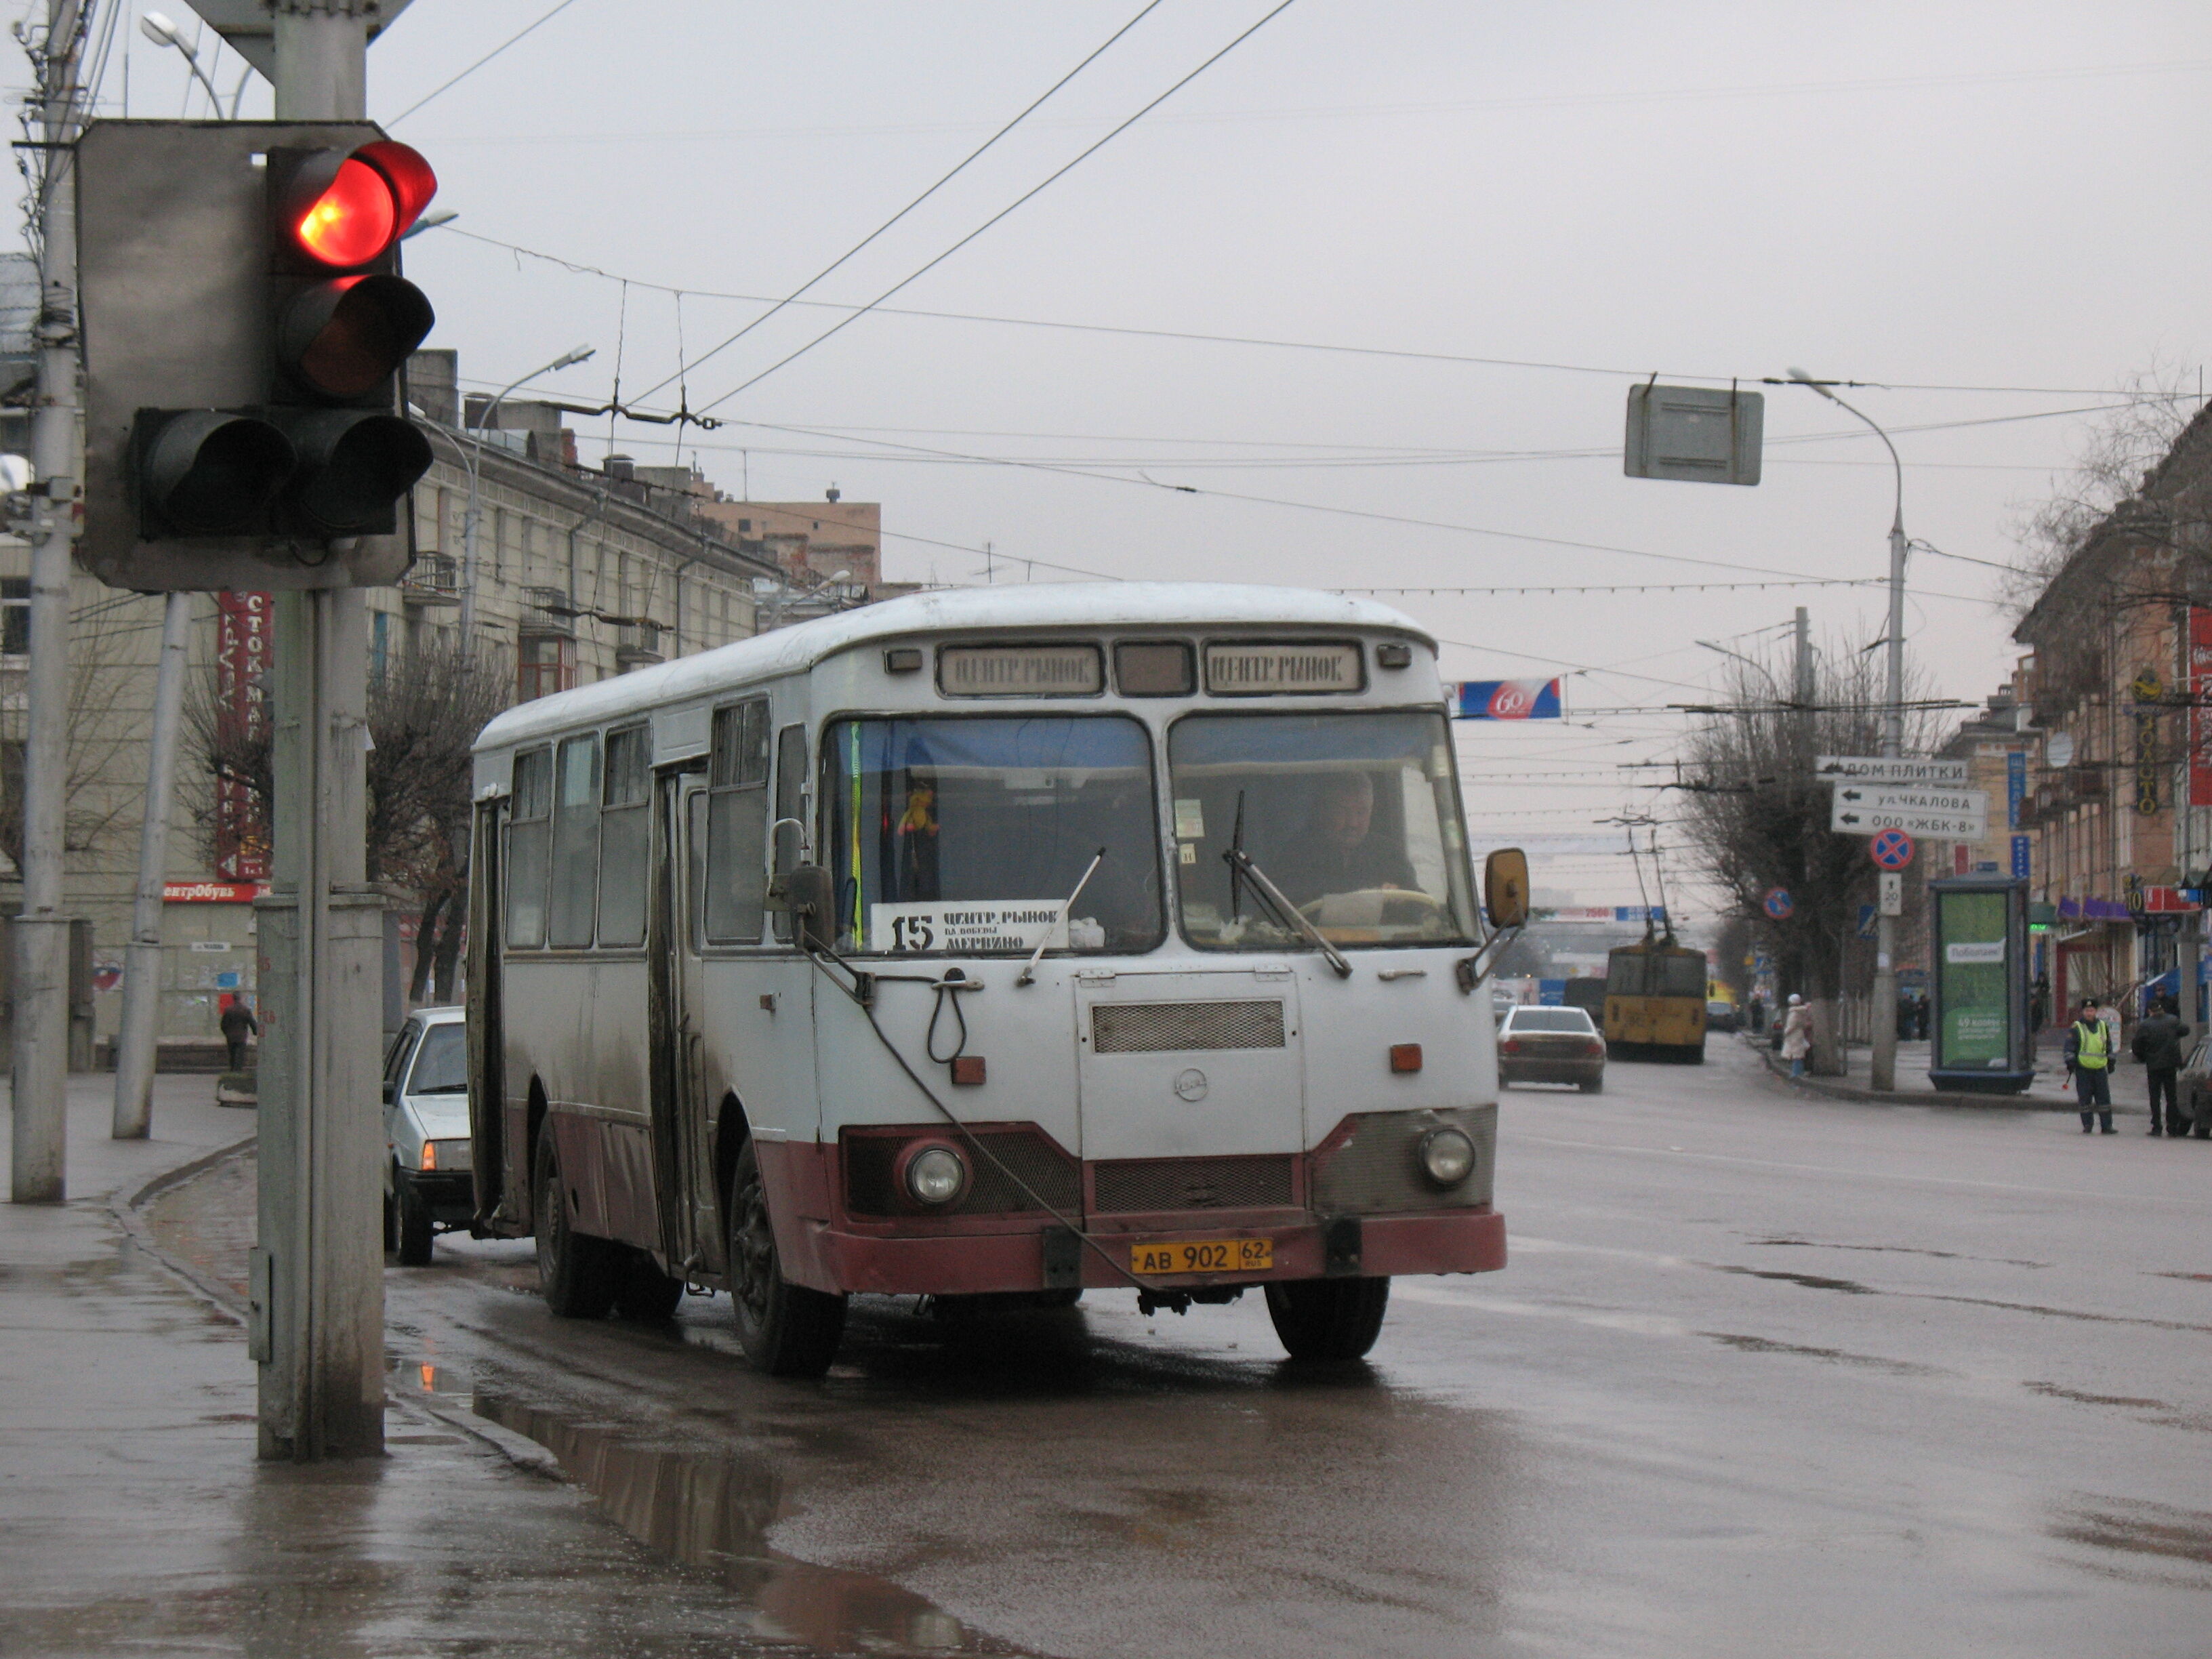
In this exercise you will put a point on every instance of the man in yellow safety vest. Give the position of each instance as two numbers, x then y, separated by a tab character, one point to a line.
2089	1059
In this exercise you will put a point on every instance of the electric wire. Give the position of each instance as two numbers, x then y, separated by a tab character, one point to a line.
562	6
961	166
1029	194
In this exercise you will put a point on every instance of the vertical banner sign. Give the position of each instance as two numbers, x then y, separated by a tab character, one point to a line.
2019	858
242	682
1507	700
2015	786
2200	718
2147	688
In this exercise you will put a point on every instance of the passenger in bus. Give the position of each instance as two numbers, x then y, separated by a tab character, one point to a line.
1340	850
916	837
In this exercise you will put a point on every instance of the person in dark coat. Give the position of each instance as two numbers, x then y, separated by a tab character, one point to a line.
238	1024
2089	1062
2158	1045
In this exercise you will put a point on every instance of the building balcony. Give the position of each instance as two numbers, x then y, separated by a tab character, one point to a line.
547	614
638	643
435	578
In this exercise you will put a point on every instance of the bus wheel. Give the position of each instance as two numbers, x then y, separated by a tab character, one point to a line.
1327	1318
575	1270
646	1294
785	1329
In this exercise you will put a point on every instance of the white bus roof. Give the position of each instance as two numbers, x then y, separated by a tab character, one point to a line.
1046	605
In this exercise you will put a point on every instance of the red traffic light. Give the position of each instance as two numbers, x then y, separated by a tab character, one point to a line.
344	208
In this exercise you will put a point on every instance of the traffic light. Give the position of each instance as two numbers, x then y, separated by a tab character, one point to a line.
246	332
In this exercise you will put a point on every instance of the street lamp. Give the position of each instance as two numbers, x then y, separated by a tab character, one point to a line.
472	455
1883	1074
430	221
163	33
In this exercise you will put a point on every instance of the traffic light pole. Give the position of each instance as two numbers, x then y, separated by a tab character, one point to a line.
40	1134
318	1269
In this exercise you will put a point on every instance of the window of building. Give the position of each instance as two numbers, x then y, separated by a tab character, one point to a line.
624	829
736	824
546	664
575	843
528	835
15	616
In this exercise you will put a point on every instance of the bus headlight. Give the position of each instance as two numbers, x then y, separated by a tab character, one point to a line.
1447	1156
936	1175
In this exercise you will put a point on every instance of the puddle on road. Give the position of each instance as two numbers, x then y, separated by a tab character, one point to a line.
1810	1281
1833	1356
713	1511
2055	1392
1903	1249
2155	1529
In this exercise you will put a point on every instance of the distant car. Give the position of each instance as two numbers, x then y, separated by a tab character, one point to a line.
2193	1088
428	1183
1720	1015
1551	1045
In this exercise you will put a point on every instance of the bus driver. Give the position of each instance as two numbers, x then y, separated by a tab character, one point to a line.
1340	850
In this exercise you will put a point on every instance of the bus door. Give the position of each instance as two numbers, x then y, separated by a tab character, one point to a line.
1192	1064
488	1108
688	1171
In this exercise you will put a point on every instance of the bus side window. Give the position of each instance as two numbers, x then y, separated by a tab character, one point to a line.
624	836
790	803
736	824
528	833
575	843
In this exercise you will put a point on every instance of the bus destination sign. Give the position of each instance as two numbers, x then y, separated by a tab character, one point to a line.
1259	670
1020	670
968	927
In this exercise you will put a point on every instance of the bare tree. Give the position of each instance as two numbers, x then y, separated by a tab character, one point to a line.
101	727
424	712
1758	820
2119	447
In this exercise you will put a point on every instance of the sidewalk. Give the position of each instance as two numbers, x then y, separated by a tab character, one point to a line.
2048	1093
134	1519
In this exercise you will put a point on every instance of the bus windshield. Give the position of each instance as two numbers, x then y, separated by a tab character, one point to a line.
964	836
1354	817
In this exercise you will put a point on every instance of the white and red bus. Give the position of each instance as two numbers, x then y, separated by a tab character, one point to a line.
999	943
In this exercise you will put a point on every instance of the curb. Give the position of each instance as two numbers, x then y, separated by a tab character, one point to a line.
2025	1101
125	1208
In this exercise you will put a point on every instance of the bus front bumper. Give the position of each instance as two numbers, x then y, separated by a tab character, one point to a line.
1467	1241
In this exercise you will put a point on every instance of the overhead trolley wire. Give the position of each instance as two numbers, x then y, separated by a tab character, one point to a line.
794	297
1029	194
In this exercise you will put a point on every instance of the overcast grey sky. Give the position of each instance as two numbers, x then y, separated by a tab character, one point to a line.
1956	195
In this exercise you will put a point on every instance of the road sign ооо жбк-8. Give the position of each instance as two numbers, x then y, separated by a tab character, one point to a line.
1848	820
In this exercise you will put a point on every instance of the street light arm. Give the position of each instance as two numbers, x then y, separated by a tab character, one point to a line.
1896	466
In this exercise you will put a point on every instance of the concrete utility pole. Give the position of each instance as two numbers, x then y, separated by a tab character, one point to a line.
1882	1015
318	1270
39	1144
139	1042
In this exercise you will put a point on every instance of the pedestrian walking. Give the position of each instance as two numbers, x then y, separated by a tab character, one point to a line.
2089	1062
1920	1016
1797	1035
238	1024
2158	1045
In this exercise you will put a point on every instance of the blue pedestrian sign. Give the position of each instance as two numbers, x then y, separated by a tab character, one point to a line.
1866	921
1779	905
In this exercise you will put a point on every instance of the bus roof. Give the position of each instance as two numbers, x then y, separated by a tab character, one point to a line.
1044	604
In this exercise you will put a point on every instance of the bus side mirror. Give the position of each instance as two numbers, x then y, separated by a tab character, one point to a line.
812	897
1505	888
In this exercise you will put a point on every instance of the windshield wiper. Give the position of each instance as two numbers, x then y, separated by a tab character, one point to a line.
1242	868
1029	967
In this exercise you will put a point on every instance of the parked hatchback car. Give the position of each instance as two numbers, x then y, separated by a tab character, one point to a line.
426	1180
1551	1045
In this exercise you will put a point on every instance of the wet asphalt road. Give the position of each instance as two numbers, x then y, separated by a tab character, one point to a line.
1767	1375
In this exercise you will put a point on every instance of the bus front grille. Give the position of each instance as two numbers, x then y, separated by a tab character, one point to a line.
1137	1184
1023	1168
1152	1028
1376	1166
